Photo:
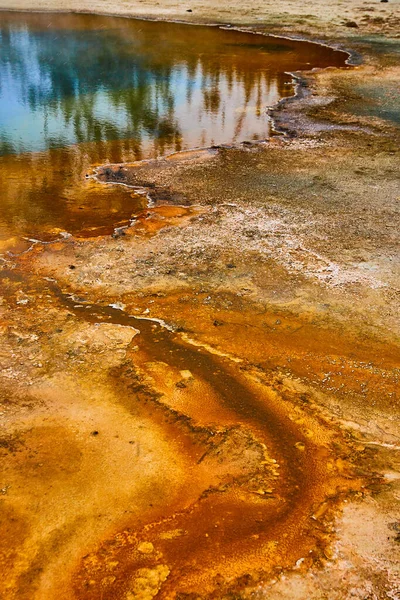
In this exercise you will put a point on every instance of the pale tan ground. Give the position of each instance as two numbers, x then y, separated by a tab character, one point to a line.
310	307
293	16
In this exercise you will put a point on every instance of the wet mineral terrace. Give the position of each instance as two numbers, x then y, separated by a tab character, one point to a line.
167	404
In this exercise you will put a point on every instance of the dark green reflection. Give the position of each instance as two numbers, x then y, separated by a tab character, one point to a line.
79	90
67	79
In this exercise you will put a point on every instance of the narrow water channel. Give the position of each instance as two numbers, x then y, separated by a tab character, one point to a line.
272	464
78	91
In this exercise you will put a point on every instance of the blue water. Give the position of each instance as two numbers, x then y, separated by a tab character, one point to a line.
80	90
68	79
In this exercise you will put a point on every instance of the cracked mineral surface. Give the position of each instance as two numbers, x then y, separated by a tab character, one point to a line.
200	367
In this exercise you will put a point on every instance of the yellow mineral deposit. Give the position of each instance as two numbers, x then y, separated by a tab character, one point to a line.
200	357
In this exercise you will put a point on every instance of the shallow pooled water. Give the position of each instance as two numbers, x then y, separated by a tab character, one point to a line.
78	90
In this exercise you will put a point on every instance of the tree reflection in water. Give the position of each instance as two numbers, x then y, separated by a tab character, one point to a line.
77	90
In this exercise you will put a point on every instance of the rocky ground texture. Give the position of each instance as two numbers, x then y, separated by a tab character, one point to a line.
205	404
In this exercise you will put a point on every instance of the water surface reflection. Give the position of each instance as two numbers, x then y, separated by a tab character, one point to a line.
77	90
